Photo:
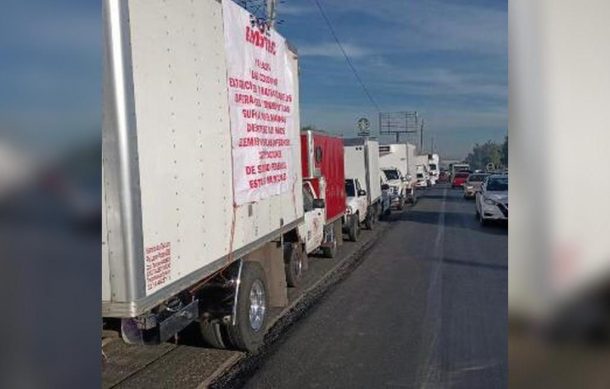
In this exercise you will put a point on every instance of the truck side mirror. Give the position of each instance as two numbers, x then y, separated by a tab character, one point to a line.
385	187
362	192
319	204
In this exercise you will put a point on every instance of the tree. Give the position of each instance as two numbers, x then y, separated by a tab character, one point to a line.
482	155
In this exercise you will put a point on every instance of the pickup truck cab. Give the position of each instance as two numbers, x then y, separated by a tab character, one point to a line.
314	218
398	187
356	207
422	182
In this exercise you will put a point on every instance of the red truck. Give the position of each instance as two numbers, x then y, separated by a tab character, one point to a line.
323	182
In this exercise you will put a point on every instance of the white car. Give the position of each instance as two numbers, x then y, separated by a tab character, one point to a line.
492	199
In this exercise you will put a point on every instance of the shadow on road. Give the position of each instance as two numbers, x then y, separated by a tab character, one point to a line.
457	199
452	219
462	262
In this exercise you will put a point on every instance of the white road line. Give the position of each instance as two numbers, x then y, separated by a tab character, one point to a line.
432	370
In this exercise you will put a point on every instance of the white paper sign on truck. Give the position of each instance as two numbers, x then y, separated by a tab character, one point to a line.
261	107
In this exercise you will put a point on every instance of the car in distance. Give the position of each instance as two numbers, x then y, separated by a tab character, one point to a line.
422	182
443	176
473	184
459	179
492	200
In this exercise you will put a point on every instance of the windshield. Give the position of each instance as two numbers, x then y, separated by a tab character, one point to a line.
432	166
350	190
497	184
461	175
419	175
476	177
392	174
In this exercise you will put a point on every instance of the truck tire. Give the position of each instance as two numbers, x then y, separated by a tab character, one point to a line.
294	263
353	228
369	221
252	310
376	213
330	251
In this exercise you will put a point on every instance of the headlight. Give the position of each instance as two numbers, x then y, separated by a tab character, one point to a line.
489	201
469	187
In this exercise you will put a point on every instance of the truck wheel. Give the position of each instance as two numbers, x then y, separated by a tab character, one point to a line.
352	231
370	218
252	310
294	263
376	213
331	250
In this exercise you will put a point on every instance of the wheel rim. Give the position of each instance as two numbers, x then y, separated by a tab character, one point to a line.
297	265
258	305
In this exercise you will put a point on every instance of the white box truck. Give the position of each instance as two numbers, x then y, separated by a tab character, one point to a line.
433	164
363	184
423	171
202	187
411	163
393	162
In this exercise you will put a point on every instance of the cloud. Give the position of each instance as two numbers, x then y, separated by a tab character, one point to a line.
332	50
418	26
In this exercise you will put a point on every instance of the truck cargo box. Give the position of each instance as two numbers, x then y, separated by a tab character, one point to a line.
411	162
394	156
322	156
171	216
362	162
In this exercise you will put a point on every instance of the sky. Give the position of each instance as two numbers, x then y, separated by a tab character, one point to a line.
445	59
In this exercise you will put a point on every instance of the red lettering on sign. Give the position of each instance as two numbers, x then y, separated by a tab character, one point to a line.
259	39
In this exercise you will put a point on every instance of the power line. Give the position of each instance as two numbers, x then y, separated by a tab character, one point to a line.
347	59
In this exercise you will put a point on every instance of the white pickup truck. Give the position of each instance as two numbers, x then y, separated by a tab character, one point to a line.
356	209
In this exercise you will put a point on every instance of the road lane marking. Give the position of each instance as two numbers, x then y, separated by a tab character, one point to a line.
432	369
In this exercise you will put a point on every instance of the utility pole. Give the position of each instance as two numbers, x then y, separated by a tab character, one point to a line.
271	12
421	136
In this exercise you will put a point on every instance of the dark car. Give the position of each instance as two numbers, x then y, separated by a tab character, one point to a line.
443	176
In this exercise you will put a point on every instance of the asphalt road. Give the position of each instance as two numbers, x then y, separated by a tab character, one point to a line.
427	308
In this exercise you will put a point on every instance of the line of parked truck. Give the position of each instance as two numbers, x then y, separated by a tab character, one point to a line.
178	248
